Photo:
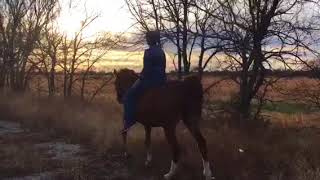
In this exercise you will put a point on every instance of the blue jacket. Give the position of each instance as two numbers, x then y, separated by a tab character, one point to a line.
153	74
154	66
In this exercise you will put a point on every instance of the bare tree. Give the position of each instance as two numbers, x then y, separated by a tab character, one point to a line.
74	50
98	49
183	26
77	56
206	31
20	25
48	55
261	35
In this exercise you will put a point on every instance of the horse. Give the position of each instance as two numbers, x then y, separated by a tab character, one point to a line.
164	107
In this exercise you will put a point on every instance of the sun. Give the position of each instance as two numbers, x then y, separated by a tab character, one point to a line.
69	25
113	16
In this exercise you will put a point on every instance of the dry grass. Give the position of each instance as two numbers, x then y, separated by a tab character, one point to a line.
227	89
287	151
97	124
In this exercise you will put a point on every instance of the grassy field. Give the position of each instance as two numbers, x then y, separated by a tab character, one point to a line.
287	150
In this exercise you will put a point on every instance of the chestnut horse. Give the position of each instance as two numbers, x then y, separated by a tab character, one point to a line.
164	107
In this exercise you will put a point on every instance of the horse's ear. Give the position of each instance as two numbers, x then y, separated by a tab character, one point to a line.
115	72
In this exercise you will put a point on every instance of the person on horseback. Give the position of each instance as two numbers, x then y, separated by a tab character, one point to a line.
152	75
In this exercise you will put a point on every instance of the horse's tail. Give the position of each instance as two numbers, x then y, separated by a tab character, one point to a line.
193	96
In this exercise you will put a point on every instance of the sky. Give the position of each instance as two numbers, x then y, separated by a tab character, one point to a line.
113	16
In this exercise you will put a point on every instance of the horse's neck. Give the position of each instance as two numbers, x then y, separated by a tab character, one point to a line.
131	81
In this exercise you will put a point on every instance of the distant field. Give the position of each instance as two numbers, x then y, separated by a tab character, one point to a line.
286	98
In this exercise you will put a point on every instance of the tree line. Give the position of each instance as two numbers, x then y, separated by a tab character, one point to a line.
251	37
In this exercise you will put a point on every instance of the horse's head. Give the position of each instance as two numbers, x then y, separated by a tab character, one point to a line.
124	80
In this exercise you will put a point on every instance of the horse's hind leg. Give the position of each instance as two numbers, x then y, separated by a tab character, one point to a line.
193	126
172	140
148	144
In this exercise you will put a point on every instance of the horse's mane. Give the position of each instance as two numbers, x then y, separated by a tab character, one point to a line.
192	77
128	72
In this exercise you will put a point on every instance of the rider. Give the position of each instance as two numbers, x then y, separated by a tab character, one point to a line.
152	75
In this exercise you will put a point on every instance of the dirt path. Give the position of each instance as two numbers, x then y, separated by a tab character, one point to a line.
34	155
27	155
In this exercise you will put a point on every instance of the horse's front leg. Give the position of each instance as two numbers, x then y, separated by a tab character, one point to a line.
148	145
172	140
124	141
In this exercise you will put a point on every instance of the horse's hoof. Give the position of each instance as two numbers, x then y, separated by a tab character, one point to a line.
210	178
168	176
147	163
127	155
172	172
208	175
